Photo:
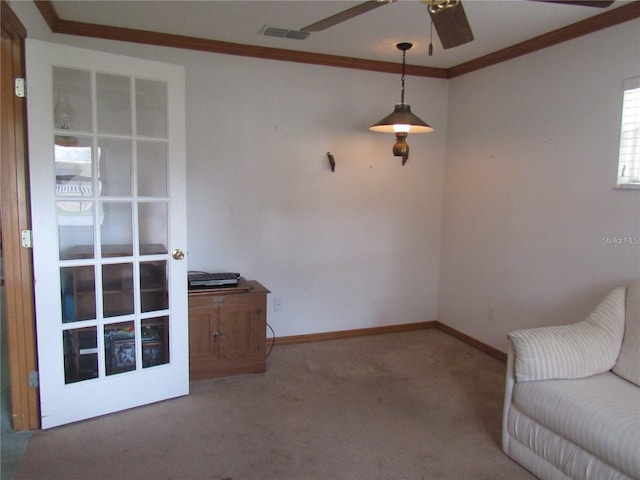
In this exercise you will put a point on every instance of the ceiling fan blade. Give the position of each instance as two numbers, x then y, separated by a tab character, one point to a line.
582	3
345	15
452	26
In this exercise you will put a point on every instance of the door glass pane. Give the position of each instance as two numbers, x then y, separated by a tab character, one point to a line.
80	354
75	227
151	108
152	169
119	348
78	293
152	226
115	167
71	99
73	159
155	341
153	286
114	104
116	229
117	289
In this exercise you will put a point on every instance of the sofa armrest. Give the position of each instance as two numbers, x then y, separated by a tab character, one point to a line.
572	351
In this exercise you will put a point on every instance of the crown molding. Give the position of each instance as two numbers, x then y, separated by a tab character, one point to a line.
608	19
593	24
67	27
10	22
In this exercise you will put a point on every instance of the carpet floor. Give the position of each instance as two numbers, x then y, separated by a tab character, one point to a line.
410	405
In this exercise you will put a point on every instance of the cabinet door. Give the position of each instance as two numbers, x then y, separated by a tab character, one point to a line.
240	323
203	346
108	202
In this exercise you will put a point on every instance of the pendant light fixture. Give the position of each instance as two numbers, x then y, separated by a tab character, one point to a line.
402	120
63	116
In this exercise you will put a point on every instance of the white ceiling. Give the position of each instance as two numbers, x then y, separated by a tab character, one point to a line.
496	24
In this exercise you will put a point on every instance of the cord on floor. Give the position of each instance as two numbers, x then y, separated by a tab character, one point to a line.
273	339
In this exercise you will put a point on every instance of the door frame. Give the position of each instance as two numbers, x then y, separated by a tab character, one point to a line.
15	217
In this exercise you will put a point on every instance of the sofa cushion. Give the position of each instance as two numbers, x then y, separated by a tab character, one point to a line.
572	351
600	414
628	363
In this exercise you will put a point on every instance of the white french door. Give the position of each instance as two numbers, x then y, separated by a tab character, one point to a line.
108	207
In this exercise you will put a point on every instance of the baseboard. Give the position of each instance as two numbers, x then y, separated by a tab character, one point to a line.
360	332
483	347
405	327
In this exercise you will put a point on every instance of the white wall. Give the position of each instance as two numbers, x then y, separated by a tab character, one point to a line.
531	164
352	249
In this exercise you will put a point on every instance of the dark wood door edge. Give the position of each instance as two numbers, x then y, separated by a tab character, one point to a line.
14	204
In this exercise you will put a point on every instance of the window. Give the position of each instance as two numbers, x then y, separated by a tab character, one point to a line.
629	161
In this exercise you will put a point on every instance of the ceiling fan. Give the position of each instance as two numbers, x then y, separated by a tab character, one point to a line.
448	17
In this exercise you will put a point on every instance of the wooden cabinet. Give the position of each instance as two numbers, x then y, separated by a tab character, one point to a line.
227	330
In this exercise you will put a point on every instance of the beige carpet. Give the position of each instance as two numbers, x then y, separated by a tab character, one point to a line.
412	405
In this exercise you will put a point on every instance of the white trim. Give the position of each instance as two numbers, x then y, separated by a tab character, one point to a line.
628	175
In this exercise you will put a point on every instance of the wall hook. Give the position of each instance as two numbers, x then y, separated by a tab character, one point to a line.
332	161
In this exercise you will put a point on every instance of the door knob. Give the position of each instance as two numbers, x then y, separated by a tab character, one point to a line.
178	254
216	336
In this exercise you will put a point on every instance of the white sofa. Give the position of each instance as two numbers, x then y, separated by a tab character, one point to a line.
572	398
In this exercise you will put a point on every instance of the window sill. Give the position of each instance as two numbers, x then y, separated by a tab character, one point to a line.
628	186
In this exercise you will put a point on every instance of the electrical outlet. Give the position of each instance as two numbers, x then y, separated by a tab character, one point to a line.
277	305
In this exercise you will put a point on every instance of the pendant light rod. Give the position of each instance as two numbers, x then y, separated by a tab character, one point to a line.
404	46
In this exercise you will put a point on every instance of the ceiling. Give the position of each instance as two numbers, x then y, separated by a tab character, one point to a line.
496	24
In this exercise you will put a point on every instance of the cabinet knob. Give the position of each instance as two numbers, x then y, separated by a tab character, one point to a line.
216	336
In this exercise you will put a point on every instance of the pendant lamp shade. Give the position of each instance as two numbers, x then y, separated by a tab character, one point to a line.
401	116
402	120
